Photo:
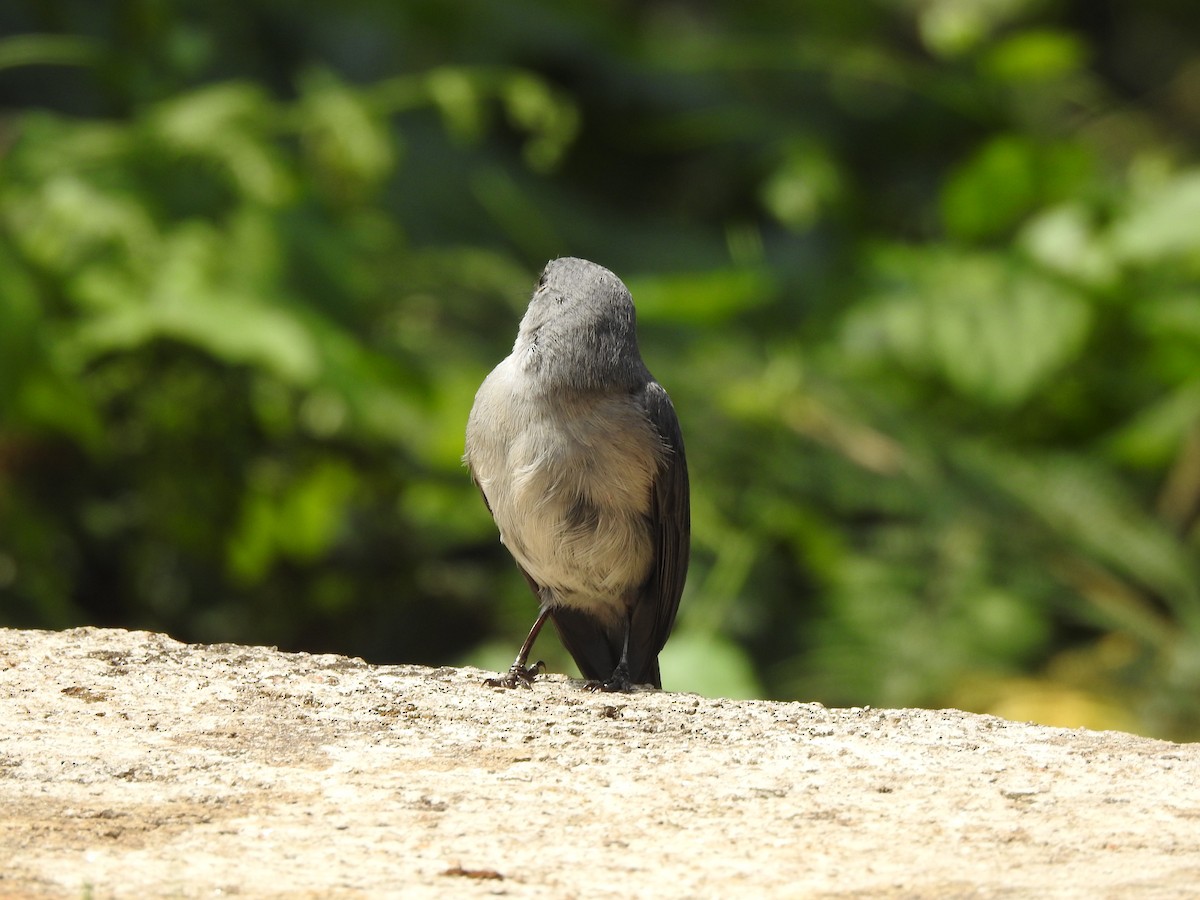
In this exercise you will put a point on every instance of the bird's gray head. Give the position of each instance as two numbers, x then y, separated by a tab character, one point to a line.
580	330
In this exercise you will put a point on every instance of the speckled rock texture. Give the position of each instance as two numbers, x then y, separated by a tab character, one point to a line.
132	765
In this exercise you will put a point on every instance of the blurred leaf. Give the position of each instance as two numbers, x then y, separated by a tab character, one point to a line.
187	303
49	148
992	329
229	125
550	118
53	401
20	311
47	50
516	213
1063	240
706	664
312	512
1034	56
299	520
800	189
1082	502
67	223
1153	438
351	146
441	443
449	515
1175	316
701	298
457	98
384	399
1161	223
989	194
952	28
1005	182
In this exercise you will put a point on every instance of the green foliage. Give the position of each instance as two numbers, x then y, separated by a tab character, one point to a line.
923	280
988	327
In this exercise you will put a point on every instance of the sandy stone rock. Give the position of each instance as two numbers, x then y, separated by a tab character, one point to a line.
132	765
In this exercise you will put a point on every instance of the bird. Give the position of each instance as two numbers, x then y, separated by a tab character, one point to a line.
578	453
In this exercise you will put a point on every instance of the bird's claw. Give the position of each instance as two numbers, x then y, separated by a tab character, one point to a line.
518	676
619	683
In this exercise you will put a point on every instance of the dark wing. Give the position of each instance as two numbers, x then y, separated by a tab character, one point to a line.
670	519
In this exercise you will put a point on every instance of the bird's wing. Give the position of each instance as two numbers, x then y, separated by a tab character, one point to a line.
670	518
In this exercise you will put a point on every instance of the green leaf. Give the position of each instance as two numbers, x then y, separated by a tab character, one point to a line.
380	395
20	312
802	186
1160	224
702	298
458	99
1035	56
189	301
1153	437
991	192
709	665
299	520
550	118
53	401
312	511
1083	503
1063	239
989	327
952	28
350	144
231	125
1006	181
66	222
235	329
48	50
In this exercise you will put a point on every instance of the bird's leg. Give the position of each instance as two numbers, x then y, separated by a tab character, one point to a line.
519	674
618	682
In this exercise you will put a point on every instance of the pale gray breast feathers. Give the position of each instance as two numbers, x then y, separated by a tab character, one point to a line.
569	482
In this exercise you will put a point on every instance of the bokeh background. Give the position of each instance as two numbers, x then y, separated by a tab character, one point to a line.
922	276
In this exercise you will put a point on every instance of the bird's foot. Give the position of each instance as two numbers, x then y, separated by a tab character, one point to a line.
618	683
518	676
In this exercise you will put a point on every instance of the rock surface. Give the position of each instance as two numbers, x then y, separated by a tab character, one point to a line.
132	765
